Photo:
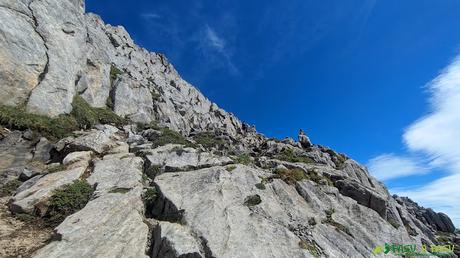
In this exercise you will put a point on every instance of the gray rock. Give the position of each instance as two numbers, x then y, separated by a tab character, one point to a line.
175	157
173	240
27	174
98	141
22	52
42	150
109	226
62	27
114	172
133	100
304	140
34	198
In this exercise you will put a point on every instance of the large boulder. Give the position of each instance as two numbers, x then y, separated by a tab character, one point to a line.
173	157
34	198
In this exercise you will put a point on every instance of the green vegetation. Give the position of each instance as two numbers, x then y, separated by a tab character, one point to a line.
290	176
68	200
252	200
208	140
52	128
122	190
230	168
393	223
289	156
9	188
329	220
260	186
170	136
149	196
57	168
153	171
312	221
244	159
82	116
155	96
26	217
87	116
311	247
152	125
114	72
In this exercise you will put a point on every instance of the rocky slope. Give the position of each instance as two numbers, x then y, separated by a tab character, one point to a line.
138	188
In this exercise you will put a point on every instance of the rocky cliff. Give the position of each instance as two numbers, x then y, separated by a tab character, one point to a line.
106	144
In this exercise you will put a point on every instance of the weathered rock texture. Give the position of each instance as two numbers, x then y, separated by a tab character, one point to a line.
235	194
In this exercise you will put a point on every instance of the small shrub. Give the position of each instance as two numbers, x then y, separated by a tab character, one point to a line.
291	176
149	197
121	190
9	188
252	200
142	127
114	72
244	159
57	168
289	156
230	168
26	217
329	220
393	223
87	116
260	186
68	200
153	171
208	140
52	128
311	247
169	136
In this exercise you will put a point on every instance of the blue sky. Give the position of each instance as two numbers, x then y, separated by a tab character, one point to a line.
355	75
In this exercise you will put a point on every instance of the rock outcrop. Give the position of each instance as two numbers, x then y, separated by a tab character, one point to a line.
183	178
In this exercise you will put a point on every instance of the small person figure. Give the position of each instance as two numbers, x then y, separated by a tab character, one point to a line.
304	140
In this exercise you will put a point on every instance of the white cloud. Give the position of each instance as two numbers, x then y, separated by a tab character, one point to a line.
390	166
437	137
214	40
150	16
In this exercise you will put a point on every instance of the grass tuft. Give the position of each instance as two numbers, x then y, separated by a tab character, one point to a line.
68	200
289	156
9	188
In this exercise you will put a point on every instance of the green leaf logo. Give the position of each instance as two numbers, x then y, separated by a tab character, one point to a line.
377	250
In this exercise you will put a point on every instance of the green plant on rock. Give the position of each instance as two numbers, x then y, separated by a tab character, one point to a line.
393	223
153	171
149	196
290	176
290	156
230	168
252	200
329	220
260	186
311	247
208	140
244	159
52	128
114	72
169	136
121	190
87	116
9	188
68	200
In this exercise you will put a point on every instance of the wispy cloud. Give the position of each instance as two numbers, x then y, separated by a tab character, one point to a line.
214	40
390	166
214	46
150	16
437	137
